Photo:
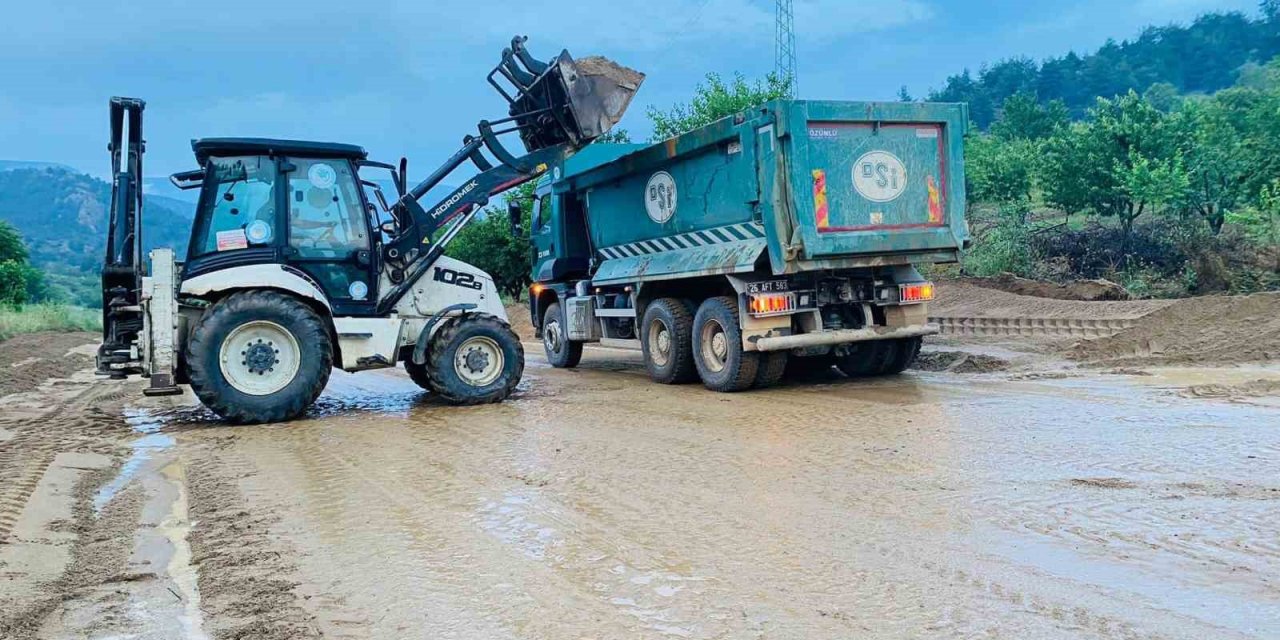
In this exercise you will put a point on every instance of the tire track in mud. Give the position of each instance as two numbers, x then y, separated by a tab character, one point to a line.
245	574
894	613
604	522
80	423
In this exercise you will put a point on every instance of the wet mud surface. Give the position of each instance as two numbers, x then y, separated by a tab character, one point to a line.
953	503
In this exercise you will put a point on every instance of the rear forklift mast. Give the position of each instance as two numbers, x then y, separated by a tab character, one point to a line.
122	272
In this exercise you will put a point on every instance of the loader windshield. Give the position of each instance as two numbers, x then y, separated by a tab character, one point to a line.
237	207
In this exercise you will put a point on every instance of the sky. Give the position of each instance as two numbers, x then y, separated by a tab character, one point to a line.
407	77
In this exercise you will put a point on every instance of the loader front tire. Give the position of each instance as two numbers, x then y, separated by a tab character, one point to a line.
722	363
474	359
418	373
259	356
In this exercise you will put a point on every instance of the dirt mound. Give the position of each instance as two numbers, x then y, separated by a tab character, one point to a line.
1209	330
1086	290
518	315
1251	389
29	359
958	362
960	299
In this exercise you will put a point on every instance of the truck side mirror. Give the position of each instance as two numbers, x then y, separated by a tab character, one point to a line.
514	216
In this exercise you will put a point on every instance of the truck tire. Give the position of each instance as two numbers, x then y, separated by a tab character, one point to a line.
722	363
666	340
773	366
905	351
562	352
474	359
259	356
809	367
866	358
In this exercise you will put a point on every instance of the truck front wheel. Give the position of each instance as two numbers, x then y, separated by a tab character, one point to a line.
562	353
667	342
259	356
722	363
474	359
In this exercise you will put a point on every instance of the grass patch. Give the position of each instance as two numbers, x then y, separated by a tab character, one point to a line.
30	318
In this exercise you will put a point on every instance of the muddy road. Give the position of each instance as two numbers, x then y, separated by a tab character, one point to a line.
940	504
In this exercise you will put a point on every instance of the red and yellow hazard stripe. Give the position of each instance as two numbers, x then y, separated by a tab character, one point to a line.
821	212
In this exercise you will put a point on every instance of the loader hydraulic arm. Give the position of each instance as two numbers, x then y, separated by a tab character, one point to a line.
556	108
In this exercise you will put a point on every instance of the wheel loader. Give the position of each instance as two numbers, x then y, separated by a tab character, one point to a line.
299	263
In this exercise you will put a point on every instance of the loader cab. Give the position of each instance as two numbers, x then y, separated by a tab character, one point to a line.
558	233
290	203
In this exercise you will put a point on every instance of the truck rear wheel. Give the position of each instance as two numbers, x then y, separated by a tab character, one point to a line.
666	339
905	352
722	363
562	353
773	366
259	356
879	357
474	359
809	367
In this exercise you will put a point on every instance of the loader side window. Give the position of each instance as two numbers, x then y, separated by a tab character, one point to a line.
237	210
326	216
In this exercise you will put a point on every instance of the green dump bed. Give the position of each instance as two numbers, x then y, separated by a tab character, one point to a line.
810	185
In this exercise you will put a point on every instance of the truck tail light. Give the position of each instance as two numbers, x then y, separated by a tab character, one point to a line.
771	304
915	292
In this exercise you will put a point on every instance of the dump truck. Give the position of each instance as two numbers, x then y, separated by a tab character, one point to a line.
298	263
784	236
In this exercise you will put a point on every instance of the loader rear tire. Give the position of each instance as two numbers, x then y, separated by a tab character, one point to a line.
562	352
418	373
773	366
474	359
259	356
666	340
722	363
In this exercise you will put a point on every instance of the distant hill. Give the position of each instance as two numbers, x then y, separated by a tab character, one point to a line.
1202	57
62	214
10	165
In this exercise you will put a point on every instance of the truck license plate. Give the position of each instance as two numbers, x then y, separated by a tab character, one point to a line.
768	286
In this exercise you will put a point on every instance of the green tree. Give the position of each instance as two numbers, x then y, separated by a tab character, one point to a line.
1163	96
13	283
1217	161
1022	117
11	245
714	99
1122	163
998	171
13	266
488	244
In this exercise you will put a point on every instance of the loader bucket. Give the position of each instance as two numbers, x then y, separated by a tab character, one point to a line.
565	100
